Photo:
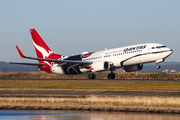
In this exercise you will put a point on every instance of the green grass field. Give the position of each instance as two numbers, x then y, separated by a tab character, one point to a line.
106	85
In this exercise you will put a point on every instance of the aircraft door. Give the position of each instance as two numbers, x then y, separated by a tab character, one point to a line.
147	52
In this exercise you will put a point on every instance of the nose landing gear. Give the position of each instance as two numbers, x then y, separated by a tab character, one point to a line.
159	61
158	66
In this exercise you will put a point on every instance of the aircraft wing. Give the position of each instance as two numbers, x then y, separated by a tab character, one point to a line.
60	62
33	64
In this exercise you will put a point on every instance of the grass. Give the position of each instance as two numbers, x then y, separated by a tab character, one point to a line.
86	84
157	76
107	85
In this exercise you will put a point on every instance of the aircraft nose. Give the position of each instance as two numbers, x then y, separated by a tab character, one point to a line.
170	51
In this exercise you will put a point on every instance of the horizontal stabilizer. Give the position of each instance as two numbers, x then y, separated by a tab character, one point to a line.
33	64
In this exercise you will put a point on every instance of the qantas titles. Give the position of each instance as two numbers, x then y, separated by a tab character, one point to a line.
135	48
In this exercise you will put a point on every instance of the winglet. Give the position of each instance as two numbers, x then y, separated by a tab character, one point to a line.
20	53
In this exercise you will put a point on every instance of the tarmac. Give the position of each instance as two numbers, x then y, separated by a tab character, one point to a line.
84	92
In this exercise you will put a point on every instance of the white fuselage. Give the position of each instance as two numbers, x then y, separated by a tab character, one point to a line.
118	57
131	55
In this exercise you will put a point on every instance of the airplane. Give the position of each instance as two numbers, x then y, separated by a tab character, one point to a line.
130	58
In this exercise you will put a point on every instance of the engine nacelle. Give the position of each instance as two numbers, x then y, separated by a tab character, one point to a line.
132	68
99	66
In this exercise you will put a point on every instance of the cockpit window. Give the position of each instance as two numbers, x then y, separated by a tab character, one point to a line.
160	47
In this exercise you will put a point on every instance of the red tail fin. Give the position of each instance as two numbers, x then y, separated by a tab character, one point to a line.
42	49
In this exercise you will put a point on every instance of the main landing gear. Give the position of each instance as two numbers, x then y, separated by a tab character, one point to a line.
111	75
93	76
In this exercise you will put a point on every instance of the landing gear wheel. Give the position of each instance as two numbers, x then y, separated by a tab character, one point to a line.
111	76
158	66
92	76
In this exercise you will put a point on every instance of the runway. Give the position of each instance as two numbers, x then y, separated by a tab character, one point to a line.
60	93
96	79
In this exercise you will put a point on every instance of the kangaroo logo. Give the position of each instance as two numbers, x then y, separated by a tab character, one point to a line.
43	51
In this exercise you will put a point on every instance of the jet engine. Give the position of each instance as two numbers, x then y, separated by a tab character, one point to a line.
132	68
100	66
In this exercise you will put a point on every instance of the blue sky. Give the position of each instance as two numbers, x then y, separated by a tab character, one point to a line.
74	26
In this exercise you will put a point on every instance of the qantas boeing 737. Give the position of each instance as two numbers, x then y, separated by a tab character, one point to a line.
130	58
